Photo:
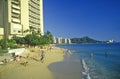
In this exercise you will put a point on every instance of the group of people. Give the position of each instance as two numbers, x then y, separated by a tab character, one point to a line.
18	58
7	60
4	61
105	54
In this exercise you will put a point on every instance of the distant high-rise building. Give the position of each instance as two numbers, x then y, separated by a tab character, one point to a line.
17	16
59	40
69	41
54	40
64	40
111	41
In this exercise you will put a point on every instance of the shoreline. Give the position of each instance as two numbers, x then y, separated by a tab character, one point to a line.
34	69
68	68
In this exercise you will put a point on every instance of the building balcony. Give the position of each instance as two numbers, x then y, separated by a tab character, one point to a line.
15	2
15	15
16	20
16	11
16	7
35	26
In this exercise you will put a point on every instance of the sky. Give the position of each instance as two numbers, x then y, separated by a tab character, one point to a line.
98	19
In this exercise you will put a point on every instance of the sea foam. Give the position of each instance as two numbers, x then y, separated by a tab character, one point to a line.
85	71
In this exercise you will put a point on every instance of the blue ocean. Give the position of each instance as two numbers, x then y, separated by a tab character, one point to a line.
102	60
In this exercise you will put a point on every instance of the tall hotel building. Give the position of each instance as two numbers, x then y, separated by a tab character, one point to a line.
17	16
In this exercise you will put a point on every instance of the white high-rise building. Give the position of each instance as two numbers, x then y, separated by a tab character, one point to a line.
54	40
64	40
59	40
69	41
17	16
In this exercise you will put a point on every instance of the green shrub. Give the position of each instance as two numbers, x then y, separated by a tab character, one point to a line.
2	43
3	51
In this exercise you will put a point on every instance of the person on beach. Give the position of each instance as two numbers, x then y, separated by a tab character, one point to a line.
106	54
42	56
5	60
91	55
17	58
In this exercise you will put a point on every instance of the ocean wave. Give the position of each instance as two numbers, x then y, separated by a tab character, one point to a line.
85	71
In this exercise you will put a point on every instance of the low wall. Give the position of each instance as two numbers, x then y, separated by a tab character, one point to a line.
17	51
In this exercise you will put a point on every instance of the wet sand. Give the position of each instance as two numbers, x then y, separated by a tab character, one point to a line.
67	69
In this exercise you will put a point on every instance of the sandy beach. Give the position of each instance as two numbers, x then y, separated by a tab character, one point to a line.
34	69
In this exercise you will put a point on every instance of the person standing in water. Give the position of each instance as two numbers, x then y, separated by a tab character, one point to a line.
106	54
91	55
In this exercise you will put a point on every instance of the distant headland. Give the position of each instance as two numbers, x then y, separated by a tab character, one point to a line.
87	39
80	40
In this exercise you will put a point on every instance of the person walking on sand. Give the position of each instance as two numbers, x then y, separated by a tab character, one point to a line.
42	56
